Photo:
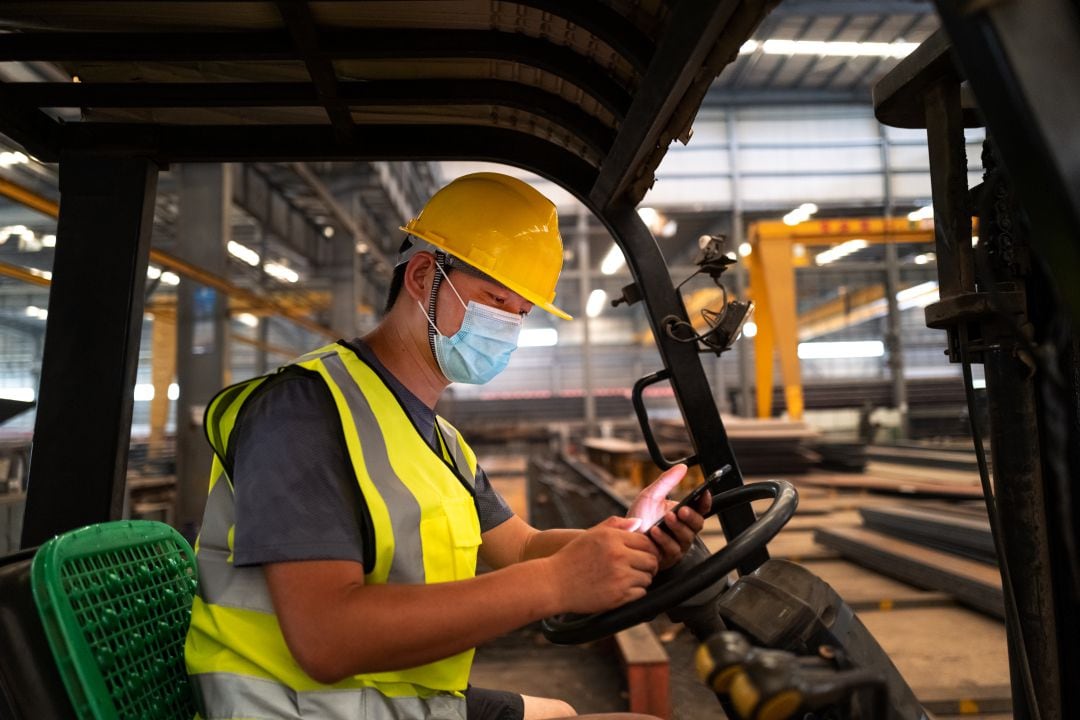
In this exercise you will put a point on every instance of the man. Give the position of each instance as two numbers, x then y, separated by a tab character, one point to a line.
338	550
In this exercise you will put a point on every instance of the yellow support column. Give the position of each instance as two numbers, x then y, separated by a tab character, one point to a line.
765	340
162	372
772	278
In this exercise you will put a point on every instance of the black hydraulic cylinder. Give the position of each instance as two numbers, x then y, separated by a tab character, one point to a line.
1021	502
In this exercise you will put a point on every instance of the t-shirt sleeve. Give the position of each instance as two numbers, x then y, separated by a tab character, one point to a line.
490	505
296	493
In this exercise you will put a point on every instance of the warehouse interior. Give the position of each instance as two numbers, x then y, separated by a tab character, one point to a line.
809	158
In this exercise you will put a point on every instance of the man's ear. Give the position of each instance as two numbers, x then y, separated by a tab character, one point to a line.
419	274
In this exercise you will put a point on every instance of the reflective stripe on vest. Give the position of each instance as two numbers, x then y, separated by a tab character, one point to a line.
236	696
426	529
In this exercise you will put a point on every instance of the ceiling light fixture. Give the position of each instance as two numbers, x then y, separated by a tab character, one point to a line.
22	394
247	319
538	337
829	48
281	272
926	212
243	253
841	349
800	214
7	159
613	261
658	223
840	251
595	305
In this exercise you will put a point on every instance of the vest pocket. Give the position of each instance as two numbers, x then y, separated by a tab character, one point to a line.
451	539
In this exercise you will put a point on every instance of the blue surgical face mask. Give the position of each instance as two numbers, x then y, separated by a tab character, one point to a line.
481	348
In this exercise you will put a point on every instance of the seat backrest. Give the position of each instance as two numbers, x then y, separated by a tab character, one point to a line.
115	601
30	685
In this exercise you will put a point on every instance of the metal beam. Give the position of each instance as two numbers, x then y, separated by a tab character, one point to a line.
693	31
307	143
341	215
176	265
853	7
301	24
723	97
18	272
608	25
785	59
91	344
543	54
738	236
202	352
35	131
258	196
744	64
894	337
35	45
873	70
351	44
386	93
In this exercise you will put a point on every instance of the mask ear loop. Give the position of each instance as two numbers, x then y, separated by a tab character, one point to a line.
430	314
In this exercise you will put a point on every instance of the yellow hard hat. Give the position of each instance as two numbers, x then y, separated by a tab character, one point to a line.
501	226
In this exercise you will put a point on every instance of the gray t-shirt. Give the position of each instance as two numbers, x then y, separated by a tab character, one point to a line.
296	494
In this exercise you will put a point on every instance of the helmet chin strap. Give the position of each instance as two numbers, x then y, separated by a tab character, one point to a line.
436	283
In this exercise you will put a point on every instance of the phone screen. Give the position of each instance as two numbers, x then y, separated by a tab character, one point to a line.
711	484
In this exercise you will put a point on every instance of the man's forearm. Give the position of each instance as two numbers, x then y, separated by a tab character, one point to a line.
545	543
373	628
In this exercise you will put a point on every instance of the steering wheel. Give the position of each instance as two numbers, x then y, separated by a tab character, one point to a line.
573	629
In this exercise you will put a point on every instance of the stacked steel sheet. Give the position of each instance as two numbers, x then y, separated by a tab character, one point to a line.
934	547
841	456
946	458
935	528
763	447
972	583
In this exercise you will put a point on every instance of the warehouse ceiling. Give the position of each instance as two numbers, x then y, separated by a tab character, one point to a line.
588	93
823	51
557	87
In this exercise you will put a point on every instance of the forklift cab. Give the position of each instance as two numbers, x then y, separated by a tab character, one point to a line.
598	92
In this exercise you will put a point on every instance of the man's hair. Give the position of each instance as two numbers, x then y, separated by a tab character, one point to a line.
396	282
449	263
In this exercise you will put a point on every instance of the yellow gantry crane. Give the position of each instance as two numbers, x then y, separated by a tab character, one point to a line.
776	249
772	262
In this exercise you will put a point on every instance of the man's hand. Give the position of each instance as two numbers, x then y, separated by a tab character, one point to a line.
652	505
606	566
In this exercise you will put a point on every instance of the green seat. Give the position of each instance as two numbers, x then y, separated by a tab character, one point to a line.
115	601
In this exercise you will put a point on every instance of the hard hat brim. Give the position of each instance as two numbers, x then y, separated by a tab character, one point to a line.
524	292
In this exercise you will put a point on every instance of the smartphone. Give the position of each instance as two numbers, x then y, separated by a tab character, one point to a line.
711	485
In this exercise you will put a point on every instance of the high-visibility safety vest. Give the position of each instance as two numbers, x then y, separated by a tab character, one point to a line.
426	530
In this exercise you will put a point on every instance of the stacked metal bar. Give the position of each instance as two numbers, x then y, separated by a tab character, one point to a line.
841	456
934	547
934	528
